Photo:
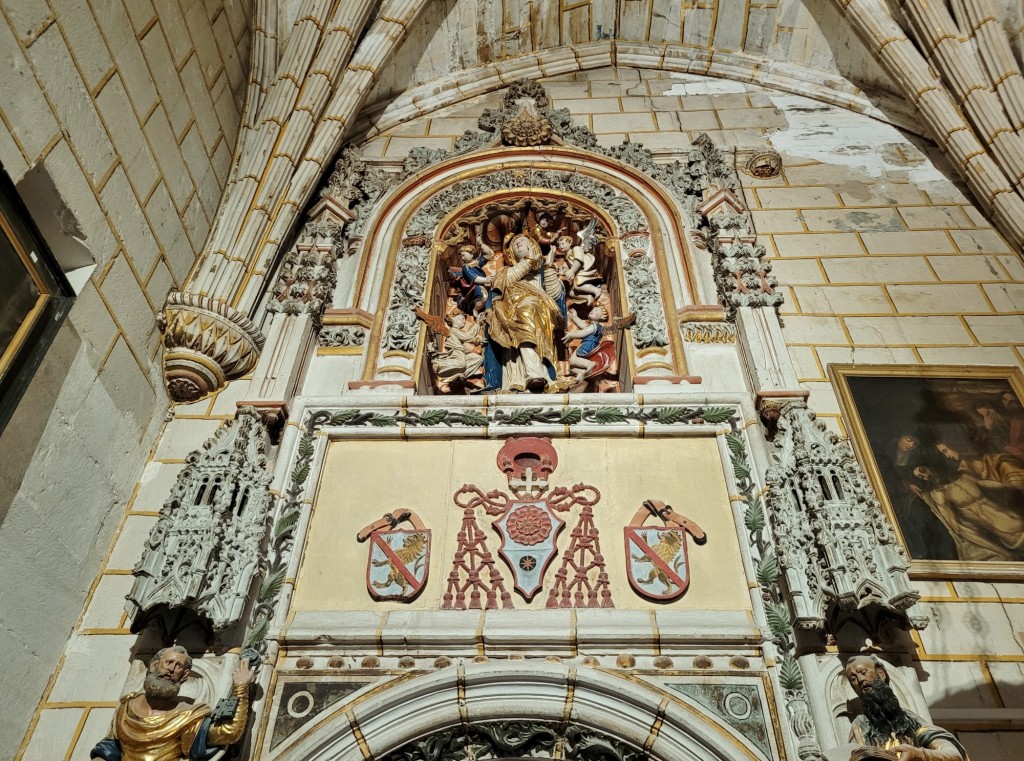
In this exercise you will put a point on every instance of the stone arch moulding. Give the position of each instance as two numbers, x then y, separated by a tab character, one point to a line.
659	271
634	716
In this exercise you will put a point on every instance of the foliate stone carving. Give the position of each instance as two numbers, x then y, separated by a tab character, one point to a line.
644	298
627	215
305	283
401	331
835	546
341	336
517	739
710	166
205	549
743	276
357	185
768	574
709	332
526	128
206	344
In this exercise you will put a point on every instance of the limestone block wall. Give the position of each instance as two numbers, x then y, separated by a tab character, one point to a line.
131	109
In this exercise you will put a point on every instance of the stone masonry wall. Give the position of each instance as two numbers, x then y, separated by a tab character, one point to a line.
884	260
132	110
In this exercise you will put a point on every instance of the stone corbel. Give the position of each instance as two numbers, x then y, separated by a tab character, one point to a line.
206	344
770	403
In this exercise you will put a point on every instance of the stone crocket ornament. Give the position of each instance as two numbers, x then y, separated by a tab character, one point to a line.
399	559
656	560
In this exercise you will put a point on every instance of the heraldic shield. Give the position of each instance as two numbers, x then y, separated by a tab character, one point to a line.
399	559
656	559
528	532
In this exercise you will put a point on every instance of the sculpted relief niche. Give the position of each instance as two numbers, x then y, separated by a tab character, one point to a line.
525	298
527	259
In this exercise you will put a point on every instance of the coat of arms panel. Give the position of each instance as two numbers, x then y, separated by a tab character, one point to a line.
526	522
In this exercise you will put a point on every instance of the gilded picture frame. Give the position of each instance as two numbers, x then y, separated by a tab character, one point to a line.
943	447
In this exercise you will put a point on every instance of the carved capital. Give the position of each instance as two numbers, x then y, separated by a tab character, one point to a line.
206	344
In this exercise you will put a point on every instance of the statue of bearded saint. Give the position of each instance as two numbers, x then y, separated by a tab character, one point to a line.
887	732
527	306
154	725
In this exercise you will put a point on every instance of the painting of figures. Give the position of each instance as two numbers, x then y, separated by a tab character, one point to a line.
944	447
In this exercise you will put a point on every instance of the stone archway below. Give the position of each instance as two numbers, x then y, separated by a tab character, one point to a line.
511	711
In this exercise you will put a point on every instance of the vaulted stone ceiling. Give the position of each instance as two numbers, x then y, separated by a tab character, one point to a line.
454	35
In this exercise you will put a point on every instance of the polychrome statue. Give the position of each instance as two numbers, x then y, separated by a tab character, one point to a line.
527	307
885	730
155	725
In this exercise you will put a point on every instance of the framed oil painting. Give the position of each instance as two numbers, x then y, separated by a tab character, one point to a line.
944	448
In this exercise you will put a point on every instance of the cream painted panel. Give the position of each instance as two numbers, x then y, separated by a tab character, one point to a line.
364	479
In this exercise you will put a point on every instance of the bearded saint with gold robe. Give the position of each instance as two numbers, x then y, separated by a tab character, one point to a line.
154	725
525	311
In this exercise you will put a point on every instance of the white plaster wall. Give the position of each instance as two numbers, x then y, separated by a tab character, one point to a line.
132	108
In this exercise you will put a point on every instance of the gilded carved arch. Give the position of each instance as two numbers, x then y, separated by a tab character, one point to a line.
647	225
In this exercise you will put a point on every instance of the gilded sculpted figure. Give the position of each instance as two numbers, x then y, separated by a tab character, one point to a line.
155	725
887	732
527	303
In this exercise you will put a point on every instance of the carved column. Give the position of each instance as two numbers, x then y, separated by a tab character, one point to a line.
290	133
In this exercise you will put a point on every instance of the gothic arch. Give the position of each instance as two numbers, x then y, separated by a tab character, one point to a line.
734	66
623	712
651	232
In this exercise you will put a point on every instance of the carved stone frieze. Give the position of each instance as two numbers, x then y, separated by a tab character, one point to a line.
337	336
205	549
709	332
517	739
835	546
206	344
